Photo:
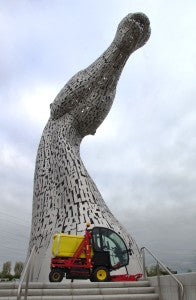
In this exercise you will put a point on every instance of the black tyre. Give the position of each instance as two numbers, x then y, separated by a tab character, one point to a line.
100	274
56	275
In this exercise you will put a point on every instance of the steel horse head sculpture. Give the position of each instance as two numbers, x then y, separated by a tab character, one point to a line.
65	197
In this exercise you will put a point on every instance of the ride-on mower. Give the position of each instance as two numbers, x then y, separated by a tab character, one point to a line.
92	256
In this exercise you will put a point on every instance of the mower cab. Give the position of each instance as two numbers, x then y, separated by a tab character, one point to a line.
109	249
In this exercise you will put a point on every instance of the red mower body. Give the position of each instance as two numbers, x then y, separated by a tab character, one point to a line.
101	251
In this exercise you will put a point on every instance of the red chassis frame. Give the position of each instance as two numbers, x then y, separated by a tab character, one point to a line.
86	263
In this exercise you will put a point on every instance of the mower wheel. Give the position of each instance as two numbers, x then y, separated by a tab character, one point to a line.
100	274
56	275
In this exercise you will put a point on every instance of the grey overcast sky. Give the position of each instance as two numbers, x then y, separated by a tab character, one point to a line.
143	157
